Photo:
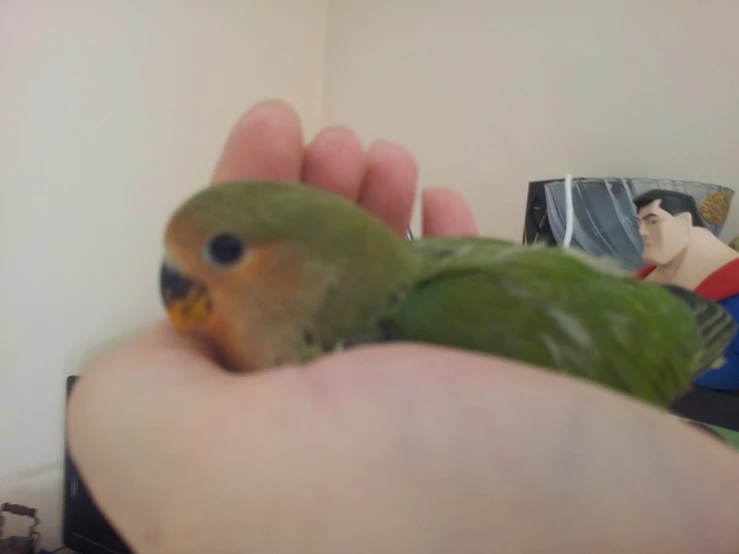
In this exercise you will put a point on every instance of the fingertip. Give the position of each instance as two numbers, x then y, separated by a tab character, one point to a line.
269	112
390	183
334	160
273	103
266	144
389	153
446	213
336	133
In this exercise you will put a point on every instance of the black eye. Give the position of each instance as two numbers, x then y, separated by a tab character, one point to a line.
224	249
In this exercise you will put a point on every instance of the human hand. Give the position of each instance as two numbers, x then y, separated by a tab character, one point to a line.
391	448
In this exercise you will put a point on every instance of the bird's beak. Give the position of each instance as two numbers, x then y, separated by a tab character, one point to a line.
185	300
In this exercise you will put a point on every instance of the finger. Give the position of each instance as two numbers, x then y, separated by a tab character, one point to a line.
266	144
389	185
445	213
335	161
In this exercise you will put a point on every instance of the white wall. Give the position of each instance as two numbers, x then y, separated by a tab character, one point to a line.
492	95
111	112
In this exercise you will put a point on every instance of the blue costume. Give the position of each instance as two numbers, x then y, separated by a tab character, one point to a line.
721	286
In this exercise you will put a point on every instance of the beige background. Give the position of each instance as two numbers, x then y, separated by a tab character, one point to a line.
492	95
111	114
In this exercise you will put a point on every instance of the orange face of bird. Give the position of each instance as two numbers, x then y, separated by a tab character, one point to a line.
245	296
187	299
195	259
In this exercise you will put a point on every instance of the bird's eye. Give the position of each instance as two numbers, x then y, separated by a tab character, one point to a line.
224	250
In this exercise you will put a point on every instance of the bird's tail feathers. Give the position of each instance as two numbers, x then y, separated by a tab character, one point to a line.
717	327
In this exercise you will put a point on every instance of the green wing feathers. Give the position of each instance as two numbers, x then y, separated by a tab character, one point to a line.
716	326
548	308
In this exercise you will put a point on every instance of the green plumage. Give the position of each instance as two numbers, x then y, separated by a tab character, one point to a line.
553	309
362	283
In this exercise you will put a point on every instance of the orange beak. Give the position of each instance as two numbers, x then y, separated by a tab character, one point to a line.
186	301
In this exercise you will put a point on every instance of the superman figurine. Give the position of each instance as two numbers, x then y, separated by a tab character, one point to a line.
680	250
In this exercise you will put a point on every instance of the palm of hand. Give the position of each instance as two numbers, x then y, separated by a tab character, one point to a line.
390	448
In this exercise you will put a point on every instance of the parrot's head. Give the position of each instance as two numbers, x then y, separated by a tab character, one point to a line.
269	273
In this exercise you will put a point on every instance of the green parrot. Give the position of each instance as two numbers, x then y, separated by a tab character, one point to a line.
280	273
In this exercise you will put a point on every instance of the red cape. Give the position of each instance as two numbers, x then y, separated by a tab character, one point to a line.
719	285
